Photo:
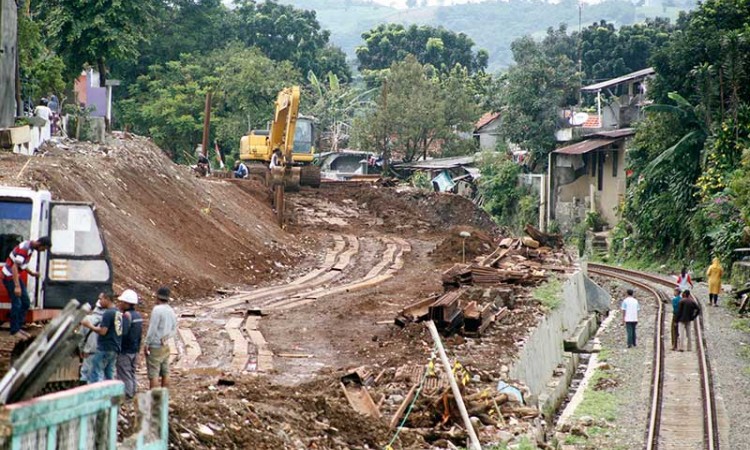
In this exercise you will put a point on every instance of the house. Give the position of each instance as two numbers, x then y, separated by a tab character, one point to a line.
619	103
90	94
487	131
588	176
455	174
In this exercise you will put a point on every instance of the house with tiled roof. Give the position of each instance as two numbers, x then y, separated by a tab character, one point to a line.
487	130
618	103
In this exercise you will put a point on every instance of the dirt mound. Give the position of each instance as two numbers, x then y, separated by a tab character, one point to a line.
451	249
163	225
407	211
264	416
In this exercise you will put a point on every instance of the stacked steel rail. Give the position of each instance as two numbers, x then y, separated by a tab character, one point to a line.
646	281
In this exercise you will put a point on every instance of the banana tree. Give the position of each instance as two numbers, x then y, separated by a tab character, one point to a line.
335	106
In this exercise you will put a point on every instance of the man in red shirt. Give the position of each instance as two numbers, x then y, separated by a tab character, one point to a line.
17	263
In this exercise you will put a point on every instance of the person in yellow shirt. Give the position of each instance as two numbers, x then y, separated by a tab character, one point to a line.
714	273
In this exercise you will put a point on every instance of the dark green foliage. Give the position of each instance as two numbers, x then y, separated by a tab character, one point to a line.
688	196
505	199
533	91
96	32
438	47
41	70
418	113
285	33
168	102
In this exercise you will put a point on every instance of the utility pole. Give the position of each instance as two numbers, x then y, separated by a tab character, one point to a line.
580	50
206	124
8	58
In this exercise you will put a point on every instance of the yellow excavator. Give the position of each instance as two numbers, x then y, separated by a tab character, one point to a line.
292	135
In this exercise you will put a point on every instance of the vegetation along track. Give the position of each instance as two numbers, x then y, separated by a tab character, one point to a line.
672	424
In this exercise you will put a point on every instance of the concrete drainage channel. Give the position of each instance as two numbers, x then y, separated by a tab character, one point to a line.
557	356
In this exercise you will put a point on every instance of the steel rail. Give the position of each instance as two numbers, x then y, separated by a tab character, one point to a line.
657	374
710	425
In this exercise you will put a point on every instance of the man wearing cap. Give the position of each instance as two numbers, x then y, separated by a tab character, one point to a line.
108	343
15	265
161	327
132	328
89	339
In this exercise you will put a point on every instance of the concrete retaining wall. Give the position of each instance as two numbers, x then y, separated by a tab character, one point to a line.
543	351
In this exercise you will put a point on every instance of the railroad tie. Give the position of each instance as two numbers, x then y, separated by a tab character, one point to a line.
192	348
239	349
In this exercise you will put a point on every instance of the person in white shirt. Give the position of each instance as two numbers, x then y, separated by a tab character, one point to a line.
630	308
275	159
43	112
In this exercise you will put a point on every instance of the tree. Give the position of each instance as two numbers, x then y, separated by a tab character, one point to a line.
415	115
534	89
167	103
95	32
334	107
438	47
41	70
285	33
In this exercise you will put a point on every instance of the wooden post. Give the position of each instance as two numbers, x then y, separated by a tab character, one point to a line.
475	445
206	123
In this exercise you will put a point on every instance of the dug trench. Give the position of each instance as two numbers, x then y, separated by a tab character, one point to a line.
387	248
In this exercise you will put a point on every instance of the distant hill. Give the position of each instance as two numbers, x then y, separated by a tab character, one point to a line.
493	24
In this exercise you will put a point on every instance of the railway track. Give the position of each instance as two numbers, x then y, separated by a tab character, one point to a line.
674	420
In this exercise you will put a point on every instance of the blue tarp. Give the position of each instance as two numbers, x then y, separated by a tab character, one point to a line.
443	181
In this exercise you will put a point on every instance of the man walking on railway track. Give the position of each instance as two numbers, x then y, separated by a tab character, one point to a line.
132	330
687	311
630	308
108	342
16	264
684	282
675	327
161	327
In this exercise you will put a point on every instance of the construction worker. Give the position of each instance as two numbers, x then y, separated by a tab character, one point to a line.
89	339
161	327
15	265
275	159
108	342
132	330
240	170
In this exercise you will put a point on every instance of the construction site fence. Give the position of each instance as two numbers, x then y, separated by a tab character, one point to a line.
84	418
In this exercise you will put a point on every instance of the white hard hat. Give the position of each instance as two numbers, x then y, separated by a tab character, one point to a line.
128	296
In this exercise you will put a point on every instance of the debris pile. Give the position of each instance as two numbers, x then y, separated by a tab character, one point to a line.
417	403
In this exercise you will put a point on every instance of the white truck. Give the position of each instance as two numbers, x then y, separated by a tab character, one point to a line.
78	265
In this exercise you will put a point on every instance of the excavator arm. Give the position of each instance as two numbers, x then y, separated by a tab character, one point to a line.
285	123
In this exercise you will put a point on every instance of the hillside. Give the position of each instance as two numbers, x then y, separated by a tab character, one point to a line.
493	25
161	223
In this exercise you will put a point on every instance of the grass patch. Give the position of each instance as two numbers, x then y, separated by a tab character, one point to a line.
549	293
741	325
604	354
598	404
575	440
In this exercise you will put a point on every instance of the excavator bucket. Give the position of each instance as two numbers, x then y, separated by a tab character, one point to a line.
289	177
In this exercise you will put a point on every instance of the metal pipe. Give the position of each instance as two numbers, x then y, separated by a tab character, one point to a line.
475	445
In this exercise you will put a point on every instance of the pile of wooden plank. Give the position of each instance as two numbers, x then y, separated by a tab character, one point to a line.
451	315
467	274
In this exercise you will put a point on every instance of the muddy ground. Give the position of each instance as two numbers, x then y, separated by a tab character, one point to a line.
163	225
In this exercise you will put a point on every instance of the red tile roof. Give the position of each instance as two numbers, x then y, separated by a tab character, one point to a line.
486	119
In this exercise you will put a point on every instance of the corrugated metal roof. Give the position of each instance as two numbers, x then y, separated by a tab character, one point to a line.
615	81
439	163
614	134
584	146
